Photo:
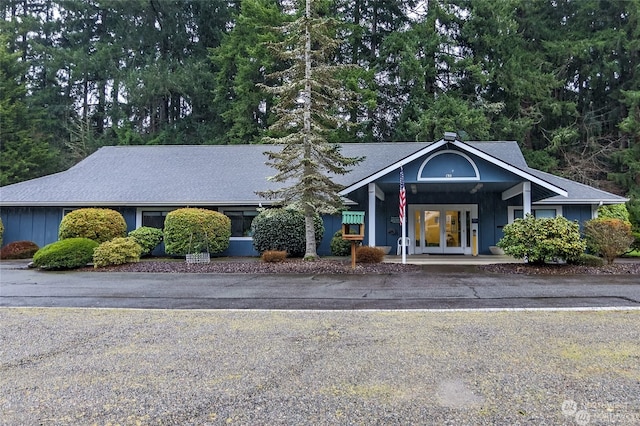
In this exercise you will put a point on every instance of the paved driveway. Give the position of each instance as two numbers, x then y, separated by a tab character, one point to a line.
437	287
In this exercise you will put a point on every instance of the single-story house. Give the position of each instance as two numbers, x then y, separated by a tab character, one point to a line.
459	194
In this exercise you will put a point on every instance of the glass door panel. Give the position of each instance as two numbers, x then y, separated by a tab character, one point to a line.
432	228
442	229
453	229
417	232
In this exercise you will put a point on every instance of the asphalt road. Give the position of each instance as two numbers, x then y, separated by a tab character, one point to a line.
435	288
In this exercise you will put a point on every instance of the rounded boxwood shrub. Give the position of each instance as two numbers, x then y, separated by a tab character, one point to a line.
99	225
542	240
19	250
147	237
339	246
116	252
283	229
192	230
65	254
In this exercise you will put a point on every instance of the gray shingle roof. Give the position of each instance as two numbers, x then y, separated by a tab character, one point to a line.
578	192
217	175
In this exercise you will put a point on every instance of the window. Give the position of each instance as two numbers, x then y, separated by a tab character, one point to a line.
154	219
241	222
548	212
544	213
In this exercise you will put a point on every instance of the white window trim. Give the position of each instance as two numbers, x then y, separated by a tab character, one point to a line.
452	178
512	209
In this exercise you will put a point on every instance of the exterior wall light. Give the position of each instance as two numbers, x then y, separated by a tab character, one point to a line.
450	136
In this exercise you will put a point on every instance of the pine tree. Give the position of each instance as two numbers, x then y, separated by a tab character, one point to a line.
24	152
310	103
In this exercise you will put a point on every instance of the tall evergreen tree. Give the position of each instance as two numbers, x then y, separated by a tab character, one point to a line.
242	60
366	27
309	104
24	151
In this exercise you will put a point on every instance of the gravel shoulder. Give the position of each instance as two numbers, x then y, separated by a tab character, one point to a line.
100	366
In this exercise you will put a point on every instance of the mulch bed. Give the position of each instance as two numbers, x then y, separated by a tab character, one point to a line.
298	266
561	269
289	266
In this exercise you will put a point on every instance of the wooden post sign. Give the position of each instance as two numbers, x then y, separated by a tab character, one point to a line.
353	230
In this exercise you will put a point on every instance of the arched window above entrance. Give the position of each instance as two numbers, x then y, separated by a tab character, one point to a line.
448	165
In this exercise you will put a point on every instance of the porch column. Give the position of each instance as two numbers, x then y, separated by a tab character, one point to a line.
372	214
526	198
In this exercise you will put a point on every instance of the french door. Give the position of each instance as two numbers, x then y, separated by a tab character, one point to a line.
443	229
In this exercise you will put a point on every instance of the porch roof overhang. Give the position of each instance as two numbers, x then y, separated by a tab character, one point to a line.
540	189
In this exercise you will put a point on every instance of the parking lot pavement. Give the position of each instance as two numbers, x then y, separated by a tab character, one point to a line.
437	287
221	367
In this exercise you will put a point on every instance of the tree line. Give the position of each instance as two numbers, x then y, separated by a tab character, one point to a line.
562	77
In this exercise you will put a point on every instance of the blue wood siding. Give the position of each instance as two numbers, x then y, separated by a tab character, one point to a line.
581	213
242	247
448	163
332	224
37	224
41	224
488	172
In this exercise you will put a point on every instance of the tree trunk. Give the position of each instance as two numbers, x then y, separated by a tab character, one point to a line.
310	235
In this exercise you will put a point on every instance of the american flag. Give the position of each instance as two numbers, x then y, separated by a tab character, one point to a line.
403	196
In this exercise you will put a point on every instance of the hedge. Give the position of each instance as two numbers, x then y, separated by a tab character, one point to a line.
147	237
192	230
99	225
117	252
283	229
69	253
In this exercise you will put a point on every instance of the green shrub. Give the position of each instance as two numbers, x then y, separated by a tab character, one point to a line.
117	252
541	240
65	254
273	256
635	245
609	238
19	250
1	231
147	238
191	230
366	254
614	211
283	229
99	225
588	260
340	247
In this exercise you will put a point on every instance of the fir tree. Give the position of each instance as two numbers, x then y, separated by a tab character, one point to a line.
310	103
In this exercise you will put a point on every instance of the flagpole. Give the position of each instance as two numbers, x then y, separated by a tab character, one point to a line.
404	234
403	217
